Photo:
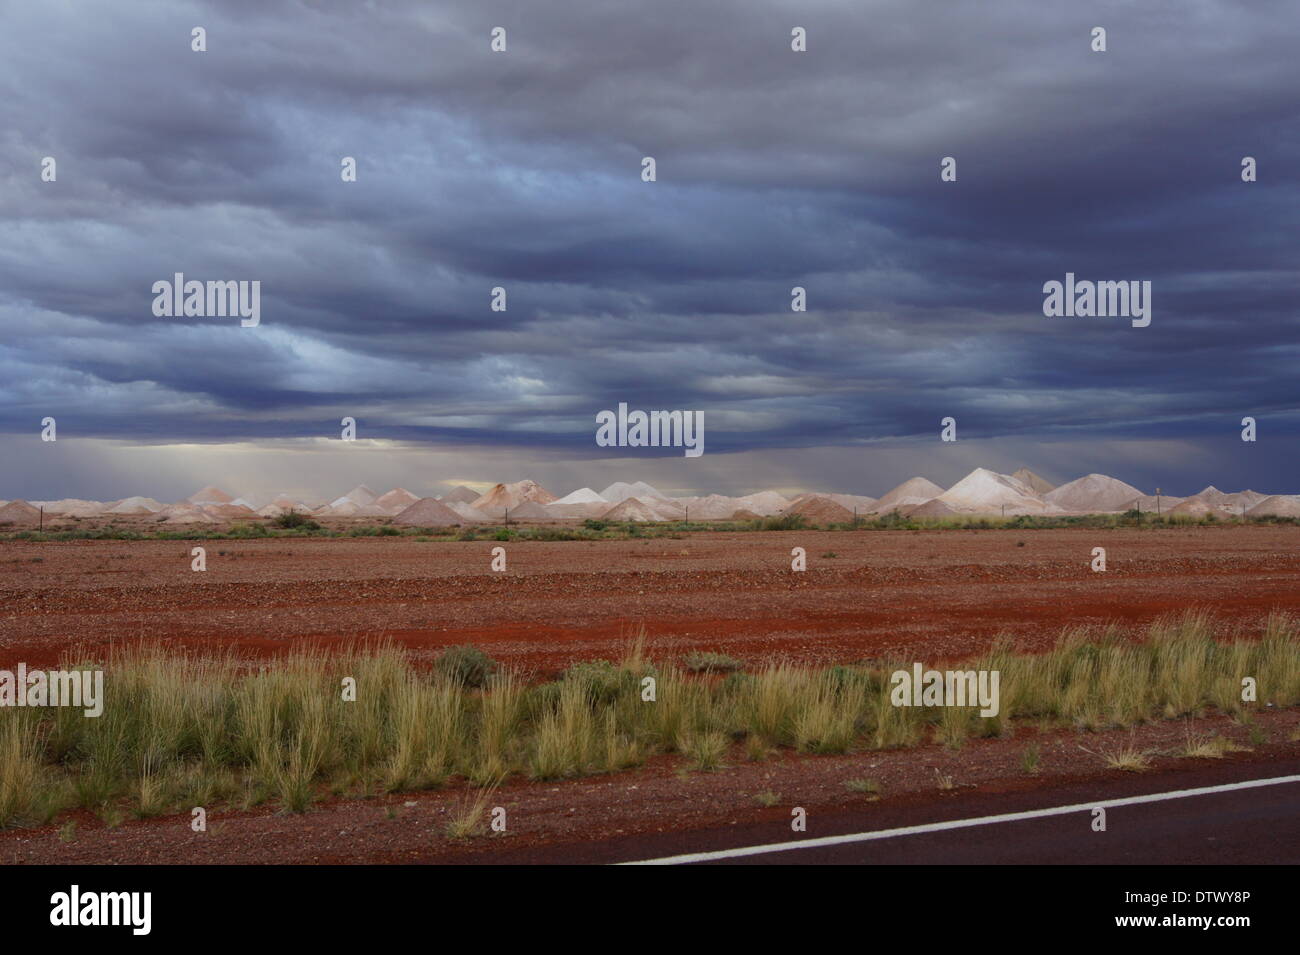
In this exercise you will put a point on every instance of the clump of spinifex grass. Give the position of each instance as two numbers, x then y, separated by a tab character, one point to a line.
178	732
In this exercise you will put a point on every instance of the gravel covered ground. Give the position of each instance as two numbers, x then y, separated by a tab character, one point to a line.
923	594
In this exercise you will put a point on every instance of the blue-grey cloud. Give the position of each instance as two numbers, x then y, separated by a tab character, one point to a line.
818	169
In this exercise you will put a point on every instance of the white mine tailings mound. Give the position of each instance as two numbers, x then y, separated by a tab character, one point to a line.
282	503
1198	507
186	513
135	505
469	514
1148	504
531	511
618	491
631	509
1093	493
584	495
763	503
428	512
987	492
579	511
864	504
911	493
74	507
818	509
715	507
210	495
19	512
932	508
396	500
359	495
1279	505
1026	476
229	512
504	496
463	494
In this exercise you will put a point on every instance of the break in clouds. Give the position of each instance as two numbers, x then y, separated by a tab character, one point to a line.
521	171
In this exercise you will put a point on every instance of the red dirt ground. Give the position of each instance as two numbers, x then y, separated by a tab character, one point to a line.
927	594
924	595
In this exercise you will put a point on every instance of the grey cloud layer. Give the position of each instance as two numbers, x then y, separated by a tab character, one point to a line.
776	169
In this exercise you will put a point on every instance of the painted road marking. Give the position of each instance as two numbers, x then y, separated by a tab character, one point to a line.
959	823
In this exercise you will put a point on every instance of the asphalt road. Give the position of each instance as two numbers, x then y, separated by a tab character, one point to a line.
1247	824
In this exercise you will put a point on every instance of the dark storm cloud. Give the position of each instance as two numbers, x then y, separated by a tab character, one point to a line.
775	169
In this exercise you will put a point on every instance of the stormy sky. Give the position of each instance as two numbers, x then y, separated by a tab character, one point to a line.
522	170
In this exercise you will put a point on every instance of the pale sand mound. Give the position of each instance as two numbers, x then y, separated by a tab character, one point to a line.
584	495
1248	498
987	492
467	513
1093	493
461	494
1212	495
669	510
817	509
630	509
74	507
275	510
1148	504
210	495
1279	505
619	491
512	495
428	512
931	508
715	507
361	496
19	512
396	500
1039	484
764	503
281	504
864	504
346	508
1198	507
185	513
135	505
590	510
229	512
911	493
531	511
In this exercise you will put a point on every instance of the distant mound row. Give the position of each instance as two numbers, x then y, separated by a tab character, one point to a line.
981	492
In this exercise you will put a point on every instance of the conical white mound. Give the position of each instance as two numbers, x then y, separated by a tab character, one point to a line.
1093	493
911	493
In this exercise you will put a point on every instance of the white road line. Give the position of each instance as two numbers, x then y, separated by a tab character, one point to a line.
958	823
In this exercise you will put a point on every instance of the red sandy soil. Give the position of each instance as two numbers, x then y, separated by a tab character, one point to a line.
667	808
920	594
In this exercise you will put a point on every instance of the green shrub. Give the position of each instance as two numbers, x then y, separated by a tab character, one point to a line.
699	661
468	666
783	522
603	681
290	520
